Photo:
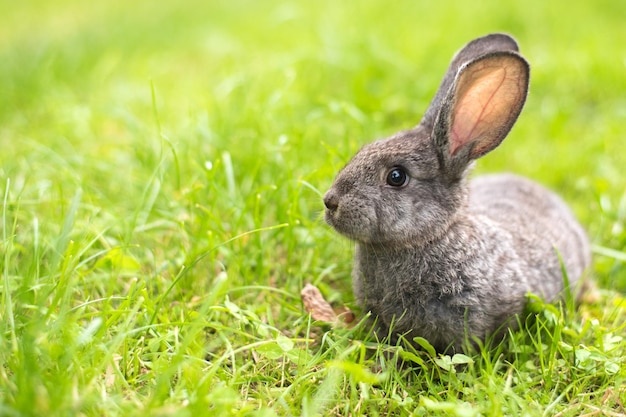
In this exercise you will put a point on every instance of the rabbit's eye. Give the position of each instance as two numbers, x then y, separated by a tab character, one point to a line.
397	177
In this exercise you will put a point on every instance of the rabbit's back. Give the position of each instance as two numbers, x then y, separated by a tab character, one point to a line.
541	226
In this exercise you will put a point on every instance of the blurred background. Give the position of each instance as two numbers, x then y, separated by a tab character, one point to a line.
94	96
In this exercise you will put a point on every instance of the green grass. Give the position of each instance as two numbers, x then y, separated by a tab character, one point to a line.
161	172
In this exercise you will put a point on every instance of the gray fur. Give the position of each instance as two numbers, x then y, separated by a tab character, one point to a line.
442	257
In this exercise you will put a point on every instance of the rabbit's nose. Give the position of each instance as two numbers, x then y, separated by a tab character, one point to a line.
330	201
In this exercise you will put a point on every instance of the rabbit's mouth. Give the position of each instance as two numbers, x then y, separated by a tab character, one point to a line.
353	233
349	218
333	217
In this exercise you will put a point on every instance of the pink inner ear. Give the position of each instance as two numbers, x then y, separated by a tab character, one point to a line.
486	95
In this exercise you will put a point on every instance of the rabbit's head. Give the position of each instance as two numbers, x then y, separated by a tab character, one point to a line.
407	189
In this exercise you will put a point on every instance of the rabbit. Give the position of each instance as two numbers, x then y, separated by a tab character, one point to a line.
439	256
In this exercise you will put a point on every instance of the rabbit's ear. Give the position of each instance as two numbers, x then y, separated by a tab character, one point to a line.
495	42
483	102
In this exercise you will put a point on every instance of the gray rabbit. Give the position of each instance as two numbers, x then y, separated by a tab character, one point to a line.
439	256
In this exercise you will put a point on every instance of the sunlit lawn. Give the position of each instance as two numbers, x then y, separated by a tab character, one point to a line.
162	166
